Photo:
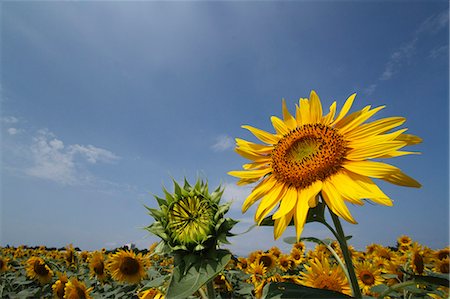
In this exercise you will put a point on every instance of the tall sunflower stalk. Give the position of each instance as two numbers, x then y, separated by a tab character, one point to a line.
191	223
314	159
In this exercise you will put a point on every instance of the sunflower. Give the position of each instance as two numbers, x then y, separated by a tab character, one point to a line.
404	240
191	218
268	260
59	286
126	266
70	255
76	290
151	294
257	272
320	274
37	269
312	154
368	276
442	266
242	264
275	251
297	256
97	266
442	253
285	262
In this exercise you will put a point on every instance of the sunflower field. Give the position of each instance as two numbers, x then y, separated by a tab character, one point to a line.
406	270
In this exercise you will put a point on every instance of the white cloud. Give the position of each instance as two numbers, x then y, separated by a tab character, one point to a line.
13	131
223	143
93	154
434	23
63	164
10	120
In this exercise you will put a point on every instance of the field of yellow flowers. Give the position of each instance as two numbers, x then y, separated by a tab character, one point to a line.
406	270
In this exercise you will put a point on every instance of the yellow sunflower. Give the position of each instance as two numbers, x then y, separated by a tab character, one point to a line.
76	290
59	286
97	266
320	274
257	271
285	262
126	266
368	276
310	154
442	266
404	240
151	294
268	260
297	256
37	269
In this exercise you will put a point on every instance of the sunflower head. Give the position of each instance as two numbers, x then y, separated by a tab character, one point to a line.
75	289
37	269
97	266
191	219
59	285
126	266
313	155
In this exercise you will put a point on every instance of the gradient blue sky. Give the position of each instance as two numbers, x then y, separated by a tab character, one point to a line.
104	102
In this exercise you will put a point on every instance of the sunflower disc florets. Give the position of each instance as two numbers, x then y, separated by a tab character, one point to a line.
191	219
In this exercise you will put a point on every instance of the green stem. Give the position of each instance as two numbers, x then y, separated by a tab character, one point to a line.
210	289
346	253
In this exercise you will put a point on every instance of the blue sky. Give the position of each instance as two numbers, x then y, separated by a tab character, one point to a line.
102	103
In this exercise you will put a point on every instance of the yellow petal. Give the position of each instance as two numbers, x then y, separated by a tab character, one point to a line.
257	148
287	203
375	139
358	120
410	139
263	188
304	198
316	107
262	135
328	119
269	201
279	126
402	179
288	118
252	156
355	187
281	224
382	171
334	200
376	127
347	105
374	151
304	111
250	174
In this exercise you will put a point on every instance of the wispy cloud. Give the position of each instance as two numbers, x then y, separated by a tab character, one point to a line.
406	52
52	160
9	120
438	52
222	143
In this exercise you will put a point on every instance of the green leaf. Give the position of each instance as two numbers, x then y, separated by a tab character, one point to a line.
154	283
436	280
183	285
292	290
